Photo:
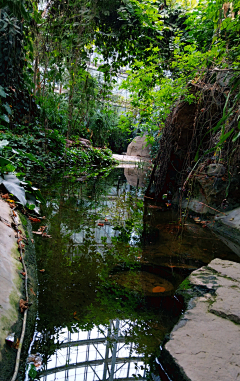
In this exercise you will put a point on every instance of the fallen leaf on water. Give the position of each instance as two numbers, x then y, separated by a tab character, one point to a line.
196	219
154	207
46	235
158	289
33	219
23	305
32	291
42	228
5	195
231	219
16	345
42	271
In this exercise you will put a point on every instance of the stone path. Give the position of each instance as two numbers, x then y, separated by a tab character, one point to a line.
205	344
231	218
131	159
227	228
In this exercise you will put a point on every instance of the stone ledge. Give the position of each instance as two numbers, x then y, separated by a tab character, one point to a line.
204	345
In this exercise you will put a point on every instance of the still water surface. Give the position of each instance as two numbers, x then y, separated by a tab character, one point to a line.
106	297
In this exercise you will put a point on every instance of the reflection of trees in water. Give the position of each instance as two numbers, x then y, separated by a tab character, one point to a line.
76	290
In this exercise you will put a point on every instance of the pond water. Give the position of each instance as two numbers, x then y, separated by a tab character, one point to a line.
107	277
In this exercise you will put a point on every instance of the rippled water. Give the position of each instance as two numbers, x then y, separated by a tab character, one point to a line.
106	295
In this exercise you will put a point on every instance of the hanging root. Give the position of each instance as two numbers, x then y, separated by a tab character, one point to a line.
195	130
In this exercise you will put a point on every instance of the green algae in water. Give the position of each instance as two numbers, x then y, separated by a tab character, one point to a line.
144	283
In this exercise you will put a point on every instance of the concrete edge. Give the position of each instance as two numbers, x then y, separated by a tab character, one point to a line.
8	353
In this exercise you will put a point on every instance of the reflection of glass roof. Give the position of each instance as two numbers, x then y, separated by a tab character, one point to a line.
99	354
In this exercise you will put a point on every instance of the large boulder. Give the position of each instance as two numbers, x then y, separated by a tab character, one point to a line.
204	345
139	147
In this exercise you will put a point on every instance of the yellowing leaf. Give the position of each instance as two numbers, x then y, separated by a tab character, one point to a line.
158	289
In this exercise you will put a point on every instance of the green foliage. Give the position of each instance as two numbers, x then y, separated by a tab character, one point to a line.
16	7
203	39
16	185
109	129
185	285
16	103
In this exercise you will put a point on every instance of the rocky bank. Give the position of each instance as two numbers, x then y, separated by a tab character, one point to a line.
12	291
204	345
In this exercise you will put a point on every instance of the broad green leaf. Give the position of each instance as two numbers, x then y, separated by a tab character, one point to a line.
9	168
7	108
3	143
30	206
4	162
2	92
32	372
11	183
31	157
5	118
39	196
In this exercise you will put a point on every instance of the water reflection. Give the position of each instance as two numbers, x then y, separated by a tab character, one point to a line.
98	354
106	298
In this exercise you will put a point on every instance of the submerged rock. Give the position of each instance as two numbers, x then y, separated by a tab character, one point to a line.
135	176
144	282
